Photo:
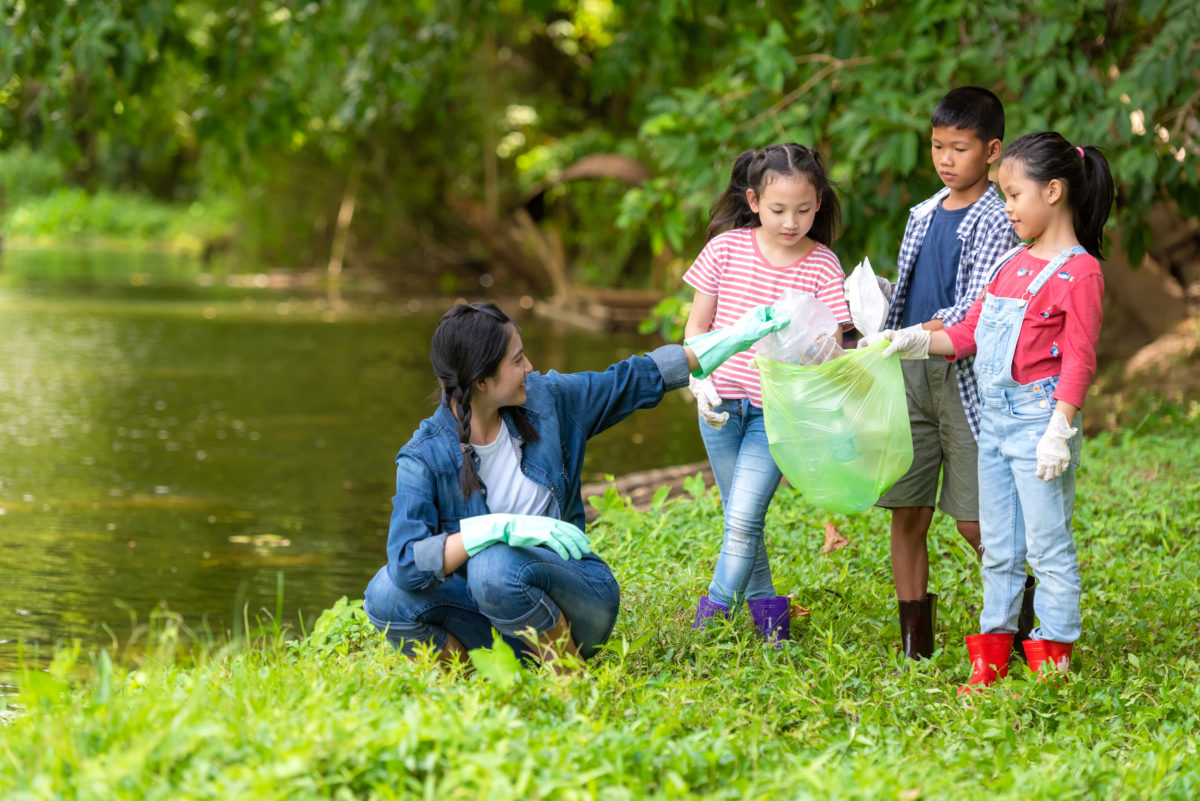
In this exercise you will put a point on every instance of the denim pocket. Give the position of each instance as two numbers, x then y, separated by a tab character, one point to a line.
991	348
1033	407
1035	400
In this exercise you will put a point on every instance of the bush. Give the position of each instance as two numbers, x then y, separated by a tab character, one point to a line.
25	174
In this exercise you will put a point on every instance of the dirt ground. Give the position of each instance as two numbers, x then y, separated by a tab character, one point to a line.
1133	380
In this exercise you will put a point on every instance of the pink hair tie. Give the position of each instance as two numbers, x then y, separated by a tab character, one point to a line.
1079	150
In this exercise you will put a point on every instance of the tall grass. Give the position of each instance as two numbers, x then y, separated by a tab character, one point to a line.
667	714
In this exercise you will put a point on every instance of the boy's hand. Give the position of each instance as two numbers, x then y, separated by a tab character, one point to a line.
909	343
1053	452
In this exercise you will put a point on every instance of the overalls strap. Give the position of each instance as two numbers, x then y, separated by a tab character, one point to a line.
1051	268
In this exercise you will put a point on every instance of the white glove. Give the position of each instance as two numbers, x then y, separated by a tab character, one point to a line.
1053	452
870	339
909	343
706	399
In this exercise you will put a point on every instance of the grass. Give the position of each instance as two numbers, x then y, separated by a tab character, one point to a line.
38	209
666	714
119	220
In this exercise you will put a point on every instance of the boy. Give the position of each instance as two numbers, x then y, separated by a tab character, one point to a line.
950	248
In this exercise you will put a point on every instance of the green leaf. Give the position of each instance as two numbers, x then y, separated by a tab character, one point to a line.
498	664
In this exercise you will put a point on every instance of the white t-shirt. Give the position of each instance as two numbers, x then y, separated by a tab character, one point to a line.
508	489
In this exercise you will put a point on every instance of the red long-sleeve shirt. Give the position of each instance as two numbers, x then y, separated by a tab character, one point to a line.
1061	325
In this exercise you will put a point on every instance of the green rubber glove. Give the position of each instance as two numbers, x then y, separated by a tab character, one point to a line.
714	347
524	531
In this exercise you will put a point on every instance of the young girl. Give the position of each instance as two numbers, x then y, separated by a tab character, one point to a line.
1034	334
784	215
487	521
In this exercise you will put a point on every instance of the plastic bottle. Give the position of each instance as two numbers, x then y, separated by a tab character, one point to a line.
842	446
822	349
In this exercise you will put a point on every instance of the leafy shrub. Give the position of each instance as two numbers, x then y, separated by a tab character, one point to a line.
26	174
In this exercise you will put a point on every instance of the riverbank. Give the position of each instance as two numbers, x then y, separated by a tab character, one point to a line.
662	712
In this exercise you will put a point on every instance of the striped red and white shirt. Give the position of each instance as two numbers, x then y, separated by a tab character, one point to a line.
732	268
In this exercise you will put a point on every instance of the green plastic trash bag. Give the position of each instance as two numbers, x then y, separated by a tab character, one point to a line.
839	430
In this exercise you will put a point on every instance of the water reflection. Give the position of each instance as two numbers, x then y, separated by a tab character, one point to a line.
168	442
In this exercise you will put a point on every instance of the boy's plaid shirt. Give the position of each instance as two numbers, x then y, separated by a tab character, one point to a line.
986	235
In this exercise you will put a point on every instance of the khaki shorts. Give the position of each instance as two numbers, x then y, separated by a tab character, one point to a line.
942	444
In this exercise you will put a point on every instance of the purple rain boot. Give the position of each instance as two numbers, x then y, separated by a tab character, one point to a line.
706	610
772	618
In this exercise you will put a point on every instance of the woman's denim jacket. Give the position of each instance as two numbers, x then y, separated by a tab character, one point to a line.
565	410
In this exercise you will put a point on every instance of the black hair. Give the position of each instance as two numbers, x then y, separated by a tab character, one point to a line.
971	108
1046	156
468	346
754	169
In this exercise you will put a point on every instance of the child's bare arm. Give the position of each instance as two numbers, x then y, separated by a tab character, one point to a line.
704	308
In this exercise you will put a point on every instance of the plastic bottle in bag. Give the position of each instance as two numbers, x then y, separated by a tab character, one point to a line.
842	448
822	349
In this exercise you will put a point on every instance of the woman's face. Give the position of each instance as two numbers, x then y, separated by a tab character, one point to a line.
507	386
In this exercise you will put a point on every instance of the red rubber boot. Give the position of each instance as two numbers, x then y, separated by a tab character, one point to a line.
1048	656
989	655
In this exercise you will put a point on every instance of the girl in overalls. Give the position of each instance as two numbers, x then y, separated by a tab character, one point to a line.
1033	333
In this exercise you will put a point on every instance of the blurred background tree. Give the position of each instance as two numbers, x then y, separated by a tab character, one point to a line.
542	145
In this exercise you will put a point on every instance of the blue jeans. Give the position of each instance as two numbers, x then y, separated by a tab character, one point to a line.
1024	518
747	479
506	588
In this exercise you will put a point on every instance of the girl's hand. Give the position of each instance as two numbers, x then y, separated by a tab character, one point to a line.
706	398
1053	452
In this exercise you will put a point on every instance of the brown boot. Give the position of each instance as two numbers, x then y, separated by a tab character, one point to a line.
916	626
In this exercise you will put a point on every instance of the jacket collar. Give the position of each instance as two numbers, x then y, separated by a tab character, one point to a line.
989	197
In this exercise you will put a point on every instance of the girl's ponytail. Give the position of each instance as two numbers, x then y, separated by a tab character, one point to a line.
1095	200
732	209
1046	156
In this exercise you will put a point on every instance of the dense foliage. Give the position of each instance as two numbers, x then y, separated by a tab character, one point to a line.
665	713
408	108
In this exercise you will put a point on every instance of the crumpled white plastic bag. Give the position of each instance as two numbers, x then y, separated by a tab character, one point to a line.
868	303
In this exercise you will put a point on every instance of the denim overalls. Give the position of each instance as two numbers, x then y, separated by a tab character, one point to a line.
1022	517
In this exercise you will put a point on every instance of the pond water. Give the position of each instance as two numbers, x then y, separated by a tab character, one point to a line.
172	442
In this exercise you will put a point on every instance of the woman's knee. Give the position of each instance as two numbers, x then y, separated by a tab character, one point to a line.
395	612
494	574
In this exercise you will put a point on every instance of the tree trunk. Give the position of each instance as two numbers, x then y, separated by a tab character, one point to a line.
341	232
